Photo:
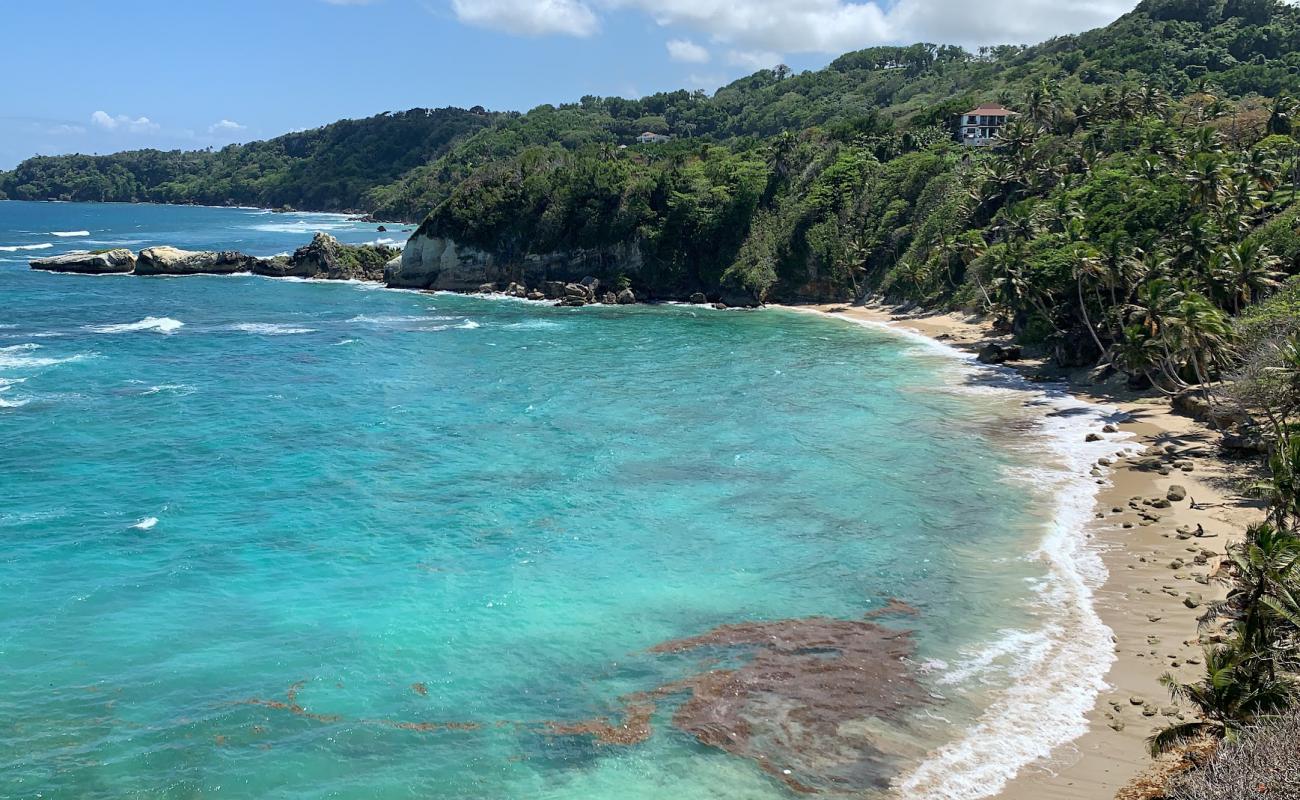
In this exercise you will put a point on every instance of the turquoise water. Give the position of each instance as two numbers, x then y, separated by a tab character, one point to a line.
413	508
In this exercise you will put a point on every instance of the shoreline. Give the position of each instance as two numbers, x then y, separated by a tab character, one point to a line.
1149	606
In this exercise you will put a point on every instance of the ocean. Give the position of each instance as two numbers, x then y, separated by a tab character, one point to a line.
299	539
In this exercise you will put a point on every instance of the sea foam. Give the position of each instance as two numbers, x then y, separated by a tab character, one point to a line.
69	233
160	324
13	248
269	328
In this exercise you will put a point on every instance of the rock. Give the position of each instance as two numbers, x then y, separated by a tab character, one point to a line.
720	306
381	229
994	353
554	290
1104	462
327	257
1176	493
699	299
1192	601
626	298
516	290
1108	428
592	285
1160	502
1137	701
576	291
487	288
110	262
167	260
536	295
609	299
1092	437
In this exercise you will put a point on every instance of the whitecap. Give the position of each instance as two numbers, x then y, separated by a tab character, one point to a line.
13	403
468	325
69	233
269	328
301	226
165	325
391	319
386	241
178	389
11	358
146	523
16	247
534	324
345	341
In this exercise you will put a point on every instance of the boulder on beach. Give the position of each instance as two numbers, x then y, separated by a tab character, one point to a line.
167	260
1176	493
108	262
626	298
996	353
699	299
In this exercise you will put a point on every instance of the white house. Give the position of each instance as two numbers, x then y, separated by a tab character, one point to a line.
981	124
655	138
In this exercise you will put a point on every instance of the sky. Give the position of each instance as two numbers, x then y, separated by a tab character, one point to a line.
98	76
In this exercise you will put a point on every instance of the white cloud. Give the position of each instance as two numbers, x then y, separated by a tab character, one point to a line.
529	17
808	26
686	51
122	122
753	59
226	126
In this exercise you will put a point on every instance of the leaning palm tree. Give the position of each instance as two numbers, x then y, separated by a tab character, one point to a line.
1232	694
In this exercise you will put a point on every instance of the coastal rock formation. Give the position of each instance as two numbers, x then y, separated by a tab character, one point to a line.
326	257
109	262
995	353
435	262
166	260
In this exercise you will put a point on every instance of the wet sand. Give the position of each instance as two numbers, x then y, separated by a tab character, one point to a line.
1159	579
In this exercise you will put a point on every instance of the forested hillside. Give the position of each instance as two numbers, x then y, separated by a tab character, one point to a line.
330	168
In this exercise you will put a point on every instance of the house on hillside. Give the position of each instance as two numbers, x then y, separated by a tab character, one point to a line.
652	138
980	125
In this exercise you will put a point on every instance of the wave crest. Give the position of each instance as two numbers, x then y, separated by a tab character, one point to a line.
160	324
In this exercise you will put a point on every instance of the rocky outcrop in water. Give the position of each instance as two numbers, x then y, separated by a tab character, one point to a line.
326	257
109	262
166	260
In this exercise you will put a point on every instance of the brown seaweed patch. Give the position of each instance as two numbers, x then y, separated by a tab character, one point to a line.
291	704
805	699
420	689
893	607
634	729
802	704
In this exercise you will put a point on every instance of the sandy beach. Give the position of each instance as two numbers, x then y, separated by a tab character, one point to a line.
1161	563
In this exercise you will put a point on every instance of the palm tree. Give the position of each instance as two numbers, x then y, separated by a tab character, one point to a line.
1229	697
1205	179
1087	267
1244	271
1265	569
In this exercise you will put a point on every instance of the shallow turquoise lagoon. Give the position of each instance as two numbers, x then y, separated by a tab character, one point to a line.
255	535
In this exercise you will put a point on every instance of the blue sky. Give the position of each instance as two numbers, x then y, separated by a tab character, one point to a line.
96	76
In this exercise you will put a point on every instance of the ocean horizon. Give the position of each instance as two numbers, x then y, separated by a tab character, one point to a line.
303	539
